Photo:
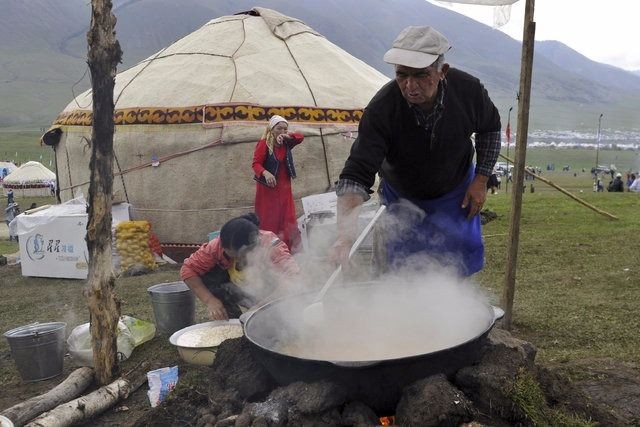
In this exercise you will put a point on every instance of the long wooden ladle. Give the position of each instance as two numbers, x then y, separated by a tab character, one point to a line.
313	314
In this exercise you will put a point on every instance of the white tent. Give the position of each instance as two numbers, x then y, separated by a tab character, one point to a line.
6	168
30	179
187	120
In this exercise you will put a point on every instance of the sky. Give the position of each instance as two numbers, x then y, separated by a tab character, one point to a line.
605	31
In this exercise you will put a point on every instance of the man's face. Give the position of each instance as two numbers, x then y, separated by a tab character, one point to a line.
420	85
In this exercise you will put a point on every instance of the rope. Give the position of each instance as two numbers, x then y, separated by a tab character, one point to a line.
126	195
148	164
192	210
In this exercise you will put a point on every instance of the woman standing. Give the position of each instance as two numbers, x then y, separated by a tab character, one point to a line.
273	167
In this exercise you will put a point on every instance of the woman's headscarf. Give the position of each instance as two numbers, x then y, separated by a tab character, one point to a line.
268	135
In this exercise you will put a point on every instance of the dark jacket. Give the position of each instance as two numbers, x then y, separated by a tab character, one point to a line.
272	164
616	186
391	141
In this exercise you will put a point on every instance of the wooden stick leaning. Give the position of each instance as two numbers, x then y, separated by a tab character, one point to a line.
562	190
93	404
68	389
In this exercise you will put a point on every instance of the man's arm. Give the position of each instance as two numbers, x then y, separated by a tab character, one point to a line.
351	196
487	151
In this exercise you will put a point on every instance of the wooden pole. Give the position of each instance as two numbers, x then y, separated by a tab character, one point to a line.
524	98
104	305
562	190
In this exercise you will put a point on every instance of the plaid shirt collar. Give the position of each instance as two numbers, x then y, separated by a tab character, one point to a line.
428	121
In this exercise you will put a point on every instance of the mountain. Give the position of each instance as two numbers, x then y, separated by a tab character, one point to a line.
569	59
43	53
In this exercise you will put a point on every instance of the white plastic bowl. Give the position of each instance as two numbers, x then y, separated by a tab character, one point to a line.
205	353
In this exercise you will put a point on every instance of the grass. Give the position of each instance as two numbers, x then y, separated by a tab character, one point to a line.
528	396
577	282
24	145
577	279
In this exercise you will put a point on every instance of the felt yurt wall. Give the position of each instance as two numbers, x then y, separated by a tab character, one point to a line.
188	118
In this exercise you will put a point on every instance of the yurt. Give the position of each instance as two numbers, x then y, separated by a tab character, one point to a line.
188	118
30	179
6	168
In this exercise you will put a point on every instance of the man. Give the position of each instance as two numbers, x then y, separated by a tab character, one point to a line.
635	185
416	132
616	186
10	213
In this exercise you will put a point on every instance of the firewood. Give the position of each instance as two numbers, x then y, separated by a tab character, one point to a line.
68	389
93	404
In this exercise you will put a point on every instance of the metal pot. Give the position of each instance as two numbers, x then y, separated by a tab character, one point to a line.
423	337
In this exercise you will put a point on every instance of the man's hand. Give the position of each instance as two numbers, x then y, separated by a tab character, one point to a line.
339	253
216	309
348	209
475	196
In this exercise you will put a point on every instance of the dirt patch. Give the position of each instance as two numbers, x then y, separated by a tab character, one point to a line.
222	394
609	382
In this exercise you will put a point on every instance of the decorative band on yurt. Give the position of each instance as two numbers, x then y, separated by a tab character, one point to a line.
216	114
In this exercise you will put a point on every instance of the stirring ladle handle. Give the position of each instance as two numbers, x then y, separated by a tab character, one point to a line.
353	250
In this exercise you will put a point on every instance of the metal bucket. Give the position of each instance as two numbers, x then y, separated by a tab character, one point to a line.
174	306
5	422
38	350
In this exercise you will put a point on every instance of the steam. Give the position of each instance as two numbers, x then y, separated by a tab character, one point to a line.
375	311
400	314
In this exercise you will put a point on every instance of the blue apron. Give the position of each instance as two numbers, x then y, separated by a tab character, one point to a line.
436	228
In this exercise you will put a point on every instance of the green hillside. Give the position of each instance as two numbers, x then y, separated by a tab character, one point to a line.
43	50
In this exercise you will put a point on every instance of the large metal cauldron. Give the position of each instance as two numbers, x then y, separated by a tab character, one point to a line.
377	337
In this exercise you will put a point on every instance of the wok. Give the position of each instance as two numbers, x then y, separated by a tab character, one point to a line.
377	337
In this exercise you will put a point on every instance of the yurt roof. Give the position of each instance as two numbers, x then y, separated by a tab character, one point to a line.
8	165
30	172
240	68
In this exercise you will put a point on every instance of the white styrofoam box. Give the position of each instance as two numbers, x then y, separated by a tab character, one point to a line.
119	213
52	241
302	226
55	248
321	229
319	202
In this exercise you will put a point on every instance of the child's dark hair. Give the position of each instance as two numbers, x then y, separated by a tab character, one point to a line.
240	232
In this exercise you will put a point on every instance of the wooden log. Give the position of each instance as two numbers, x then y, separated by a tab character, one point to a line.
93	404
563	191
68	389
104	305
